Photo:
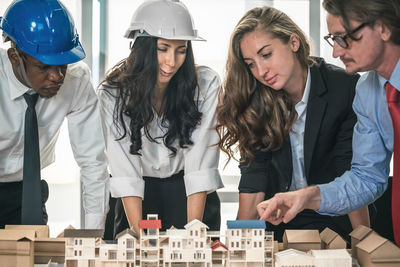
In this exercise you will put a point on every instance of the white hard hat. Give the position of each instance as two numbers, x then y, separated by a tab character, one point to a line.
168	19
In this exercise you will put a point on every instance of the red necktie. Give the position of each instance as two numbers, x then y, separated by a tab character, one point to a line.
392	97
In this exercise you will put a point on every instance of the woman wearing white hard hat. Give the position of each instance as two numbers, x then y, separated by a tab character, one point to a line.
159	117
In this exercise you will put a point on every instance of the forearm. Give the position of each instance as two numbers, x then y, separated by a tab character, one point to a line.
195	206
133	211
248	205
359	217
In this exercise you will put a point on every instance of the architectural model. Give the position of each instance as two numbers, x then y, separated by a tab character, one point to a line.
247	245
376	251
303	240
332	240
244	244
246	241
24	245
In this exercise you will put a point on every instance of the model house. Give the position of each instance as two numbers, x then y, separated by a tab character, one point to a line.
188	245
357	235
45	249
49	249
293	258
150	241
17	248
332	240
219	252
303	240
331	257
81	247
108	256
127	245
120	254
376	251
245	240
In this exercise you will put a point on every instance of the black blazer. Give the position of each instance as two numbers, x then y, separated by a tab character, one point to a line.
327	140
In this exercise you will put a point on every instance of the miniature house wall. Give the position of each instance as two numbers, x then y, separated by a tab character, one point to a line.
17	248
293	258
219	252
127	244
188	246
332	240
376	251
303	240
331	258
44	248
150	241
80	247
357	235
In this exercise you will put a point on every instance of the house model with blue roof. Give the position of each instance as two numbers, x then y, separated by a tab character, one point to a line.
249	244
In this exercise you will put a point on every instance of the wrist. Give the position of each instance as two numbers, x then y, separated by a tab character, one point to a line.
313	197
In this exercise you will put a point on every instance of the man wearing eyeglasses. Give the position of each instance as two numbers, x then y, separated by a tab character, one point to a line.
365	34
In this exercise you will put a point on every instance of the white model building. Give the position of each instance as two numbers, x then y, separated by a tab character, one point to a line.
121	254
189	245
245	240
293	258
81	247
331	258
150	241
219	252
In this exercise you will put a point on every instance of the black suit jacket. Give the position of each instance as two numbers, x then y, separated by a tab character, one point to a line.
327	142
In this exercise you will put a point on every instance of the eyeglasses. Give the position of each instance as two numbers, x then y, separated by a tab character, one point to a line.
341	39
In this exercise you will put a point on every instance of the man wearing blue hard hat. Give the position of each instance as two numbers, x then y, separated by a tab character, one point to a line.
42	82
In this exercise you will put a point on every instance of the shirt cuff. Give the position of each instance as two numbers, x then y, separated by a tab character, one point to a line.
328	204
95	221
126	187
204	180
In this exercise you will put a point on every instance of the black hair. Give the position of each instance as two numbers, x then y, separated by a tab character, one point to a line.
135	78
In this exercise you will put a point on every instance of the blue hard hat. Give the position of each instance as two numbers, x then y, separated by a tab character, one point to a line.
43	29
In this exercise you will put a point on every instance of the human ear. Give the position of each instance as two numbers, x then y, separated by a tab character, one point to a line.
13	57
294	42
383	30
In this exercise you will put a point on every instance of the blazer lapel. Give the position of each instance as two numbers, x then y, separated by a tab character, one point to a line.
315	112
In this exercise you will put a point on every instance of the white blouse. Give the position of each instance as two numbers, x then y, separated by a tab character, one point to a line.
199	161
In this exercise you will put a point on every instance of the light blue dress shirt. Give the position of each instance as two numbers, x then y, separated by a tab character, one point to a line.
372	149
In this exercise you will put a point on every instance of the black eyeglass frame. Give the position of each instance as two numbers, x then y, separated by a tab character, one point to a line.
341	39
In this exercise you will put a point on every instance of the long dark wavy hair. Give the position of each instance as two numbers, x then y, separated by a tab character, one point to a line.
250	114
134	78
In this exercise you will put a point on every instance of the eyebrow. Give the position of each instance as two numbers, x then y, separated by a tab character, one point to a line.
182	46
338	33
258	52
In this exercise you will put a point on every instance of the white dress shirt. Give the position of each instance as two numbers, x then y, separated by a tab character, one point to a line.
76	101
296	135
199	161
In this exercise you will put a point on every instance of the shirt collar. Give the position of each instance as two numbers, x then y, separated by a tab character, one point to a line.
394	78
307	88
17	89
